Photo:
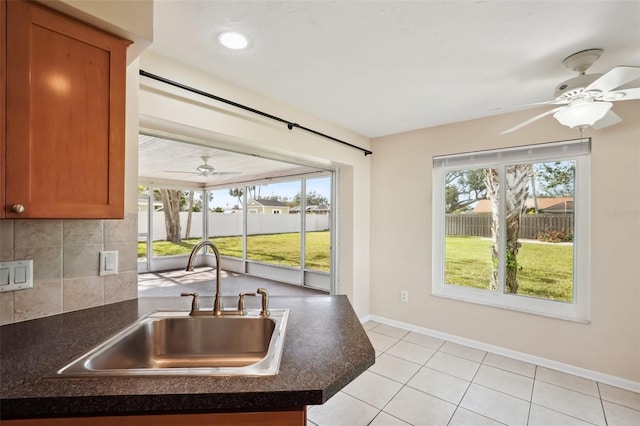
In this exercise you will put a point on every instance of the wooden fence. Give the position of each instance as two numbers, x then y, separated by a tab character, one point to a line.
530	224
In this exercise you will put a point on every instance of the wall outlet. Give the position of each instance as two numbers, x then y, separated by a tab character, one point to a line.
108	263
404	296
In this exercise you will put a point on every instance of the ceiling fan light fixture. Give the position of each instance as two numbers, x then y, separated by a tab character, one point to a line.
581	114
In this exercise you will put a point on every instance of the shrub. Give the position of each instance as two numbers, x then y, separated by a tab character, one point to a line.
551	235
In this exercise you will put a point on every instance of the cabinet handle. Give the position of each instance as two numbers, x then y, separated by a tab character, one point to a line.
17	208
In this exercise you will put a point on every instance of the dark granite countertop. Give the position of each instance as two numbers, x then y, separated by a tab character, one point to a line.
325	349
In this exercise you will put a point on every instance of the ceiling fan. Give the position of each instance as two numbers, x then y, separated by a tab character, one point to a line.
587	99
205	169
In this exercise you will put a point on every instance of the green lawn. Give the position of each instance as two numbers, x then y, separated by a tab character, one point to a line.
546	269
280	249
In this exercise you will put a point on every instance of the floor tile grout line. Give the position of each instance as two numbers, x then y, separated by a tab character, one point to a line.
536	379
507	370
620	405
533	385
429	347
604	412
563	413
572	389
465	393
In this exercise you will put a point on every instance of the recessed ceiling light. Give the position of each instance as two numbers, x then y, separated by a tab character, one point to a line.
233	40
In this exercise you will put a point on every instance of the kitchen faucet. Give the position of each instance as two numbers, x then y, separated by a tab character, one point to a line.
217	301
218	309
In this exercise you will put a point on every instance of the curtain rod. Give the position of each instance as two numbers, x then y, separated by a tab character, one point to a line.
290	125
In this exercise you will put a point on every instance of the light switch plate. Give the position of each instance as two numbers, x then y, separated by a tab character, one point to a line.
16	275
108	263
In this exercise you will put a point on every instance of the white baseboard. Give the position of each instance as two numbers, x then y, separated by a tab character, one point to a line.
521	356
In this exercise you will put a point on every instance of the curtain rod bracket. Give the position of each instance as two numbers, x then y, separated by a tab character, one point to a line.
290	125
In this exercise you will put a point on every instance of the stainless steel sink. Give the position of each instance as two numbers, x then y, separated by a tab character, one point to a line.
174	343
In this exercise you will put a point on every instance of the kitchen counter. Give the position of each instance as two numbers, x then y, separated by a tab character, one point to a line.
325	348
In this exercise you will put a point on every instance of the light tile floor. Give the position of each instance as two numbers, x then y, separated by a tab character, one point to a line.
422	380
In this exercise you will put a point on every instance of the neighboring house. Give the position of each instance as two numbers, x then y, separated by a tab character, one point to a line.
555	205
321	209
260	206
564	206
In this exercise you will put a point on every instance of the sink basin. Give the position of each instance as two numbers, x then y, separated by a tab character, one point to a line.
174	343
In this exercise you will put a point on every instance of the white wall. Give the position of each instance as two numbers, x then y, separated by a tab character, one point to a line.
129	19
192	117
401	170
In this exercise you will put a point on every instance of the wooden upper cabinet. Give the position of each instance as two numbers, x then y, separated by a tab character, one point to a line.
65	116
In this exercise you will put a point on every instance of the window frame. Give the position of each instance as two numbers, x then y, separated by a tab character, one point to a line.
578	150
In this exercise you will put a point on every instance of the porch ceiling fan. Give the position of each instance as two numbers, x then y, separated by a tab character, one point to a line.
205	169
587	99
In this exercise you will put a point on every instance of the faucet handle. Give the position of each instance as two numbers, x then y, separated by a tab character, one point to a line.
194	302
241	302
265	301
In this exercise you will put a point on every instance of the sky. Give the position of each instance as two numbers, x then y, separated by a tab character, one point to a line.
322	186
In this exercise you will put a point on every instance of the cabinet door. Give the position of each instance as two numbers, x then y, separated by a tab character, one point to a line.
65	116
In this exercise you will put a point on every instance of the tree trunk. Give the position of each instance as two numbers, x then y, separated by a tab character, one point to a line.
171	203
492	181
515	184
189	214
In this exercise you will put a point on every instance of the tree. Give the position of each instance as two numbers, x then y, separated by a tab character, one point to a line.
239	192
189	214
313	199
171	205
515	181
463	188
556	179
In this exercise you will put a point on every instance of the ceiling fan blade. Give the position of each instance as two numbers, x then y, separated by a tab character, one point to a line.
531	120
226	173
623	95
616	77
609	119
535	104
180	171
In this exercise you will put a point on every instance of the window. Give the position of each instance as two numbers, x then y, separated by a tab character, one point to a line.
317	224
511	228
274	238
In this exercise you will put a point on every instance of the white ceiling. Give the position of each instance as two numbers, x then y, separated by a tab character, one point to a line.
382	67
166	162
